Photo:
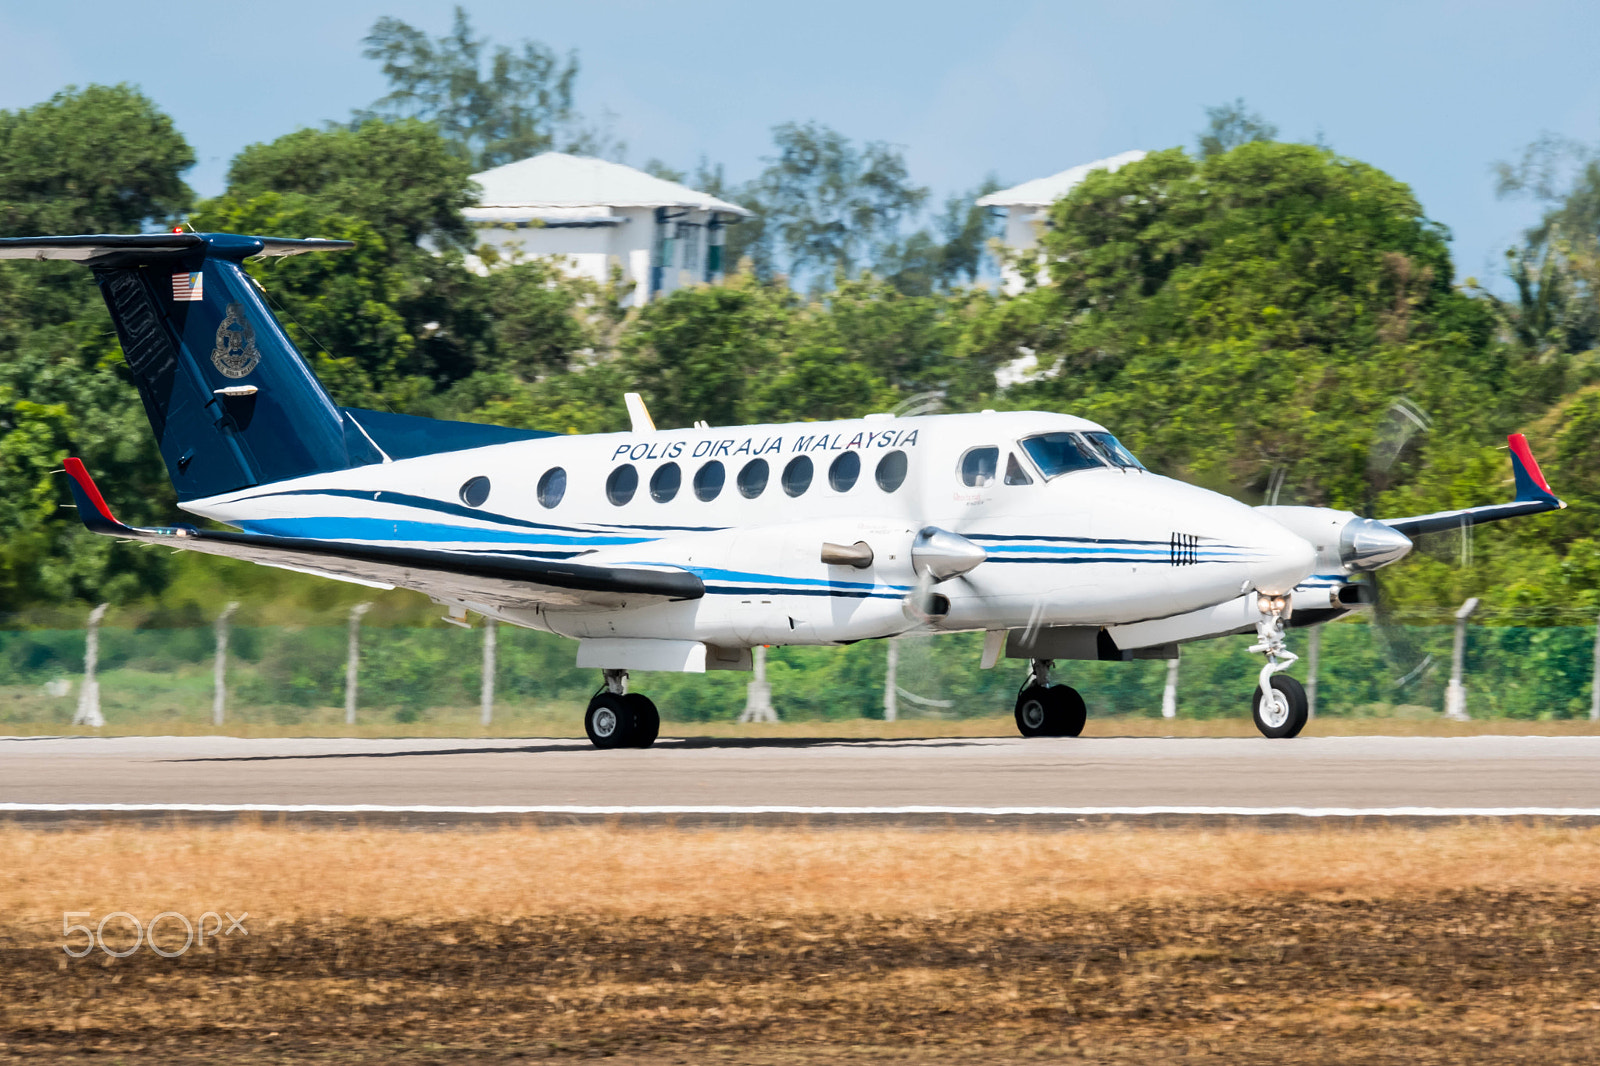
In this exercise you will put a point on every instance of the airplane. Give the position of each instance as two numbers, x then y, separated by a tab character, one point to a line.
684	549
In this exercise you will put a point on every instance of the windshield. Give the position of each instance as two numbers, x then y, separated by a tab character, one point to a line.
1113	451
1061	453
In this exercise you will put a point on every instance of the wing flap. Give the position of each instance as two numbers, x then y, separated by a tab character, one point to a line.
505	580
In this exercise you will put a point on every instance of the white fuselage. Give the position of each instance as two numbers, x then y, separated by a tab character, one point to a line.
1094	547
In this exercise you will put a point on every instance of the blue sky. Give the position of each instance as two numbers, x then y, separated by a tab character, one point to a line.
1433	92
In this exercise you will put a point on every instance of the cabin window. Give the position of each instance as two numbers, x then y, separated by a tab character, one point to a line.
978	466
1061	453
891	473
552	486
708	481
797	475
1015	475
1111	449
665	481
844	471
753	479
475	492
622	484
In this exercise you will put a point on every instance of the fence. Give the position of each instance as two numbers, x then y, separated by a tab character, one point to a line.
297	674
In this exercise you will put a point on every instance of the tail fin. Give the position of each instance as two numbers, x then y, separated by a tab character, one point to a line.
232	402
1530	481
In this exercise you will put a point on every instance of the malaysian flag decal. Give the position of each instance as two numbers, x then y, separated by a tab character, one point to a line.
188	288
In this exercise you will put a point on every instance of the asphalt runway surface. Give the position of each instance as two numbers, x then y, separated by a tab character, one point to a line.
1010	779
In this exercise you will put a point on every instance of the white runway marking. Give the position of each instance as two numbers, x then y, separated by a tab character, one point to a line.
669	809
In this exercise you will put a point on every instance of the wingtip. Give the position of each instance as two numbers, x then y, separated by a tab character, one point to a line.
91	505
1530	479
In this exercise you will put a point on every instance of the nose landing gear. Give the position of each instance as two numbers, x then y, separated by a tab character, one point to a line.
617	718
1046	710
1279	707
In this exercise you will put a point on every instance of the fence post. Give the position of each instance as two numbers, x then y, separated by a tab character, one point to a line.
1169	694
219	679
1313	658
353	661
486	693
891	680
89	695
758	694
1594	691
1455	697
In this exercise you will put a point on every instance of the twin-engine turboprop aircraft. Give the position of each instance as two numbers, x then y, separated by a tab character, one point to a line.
683	549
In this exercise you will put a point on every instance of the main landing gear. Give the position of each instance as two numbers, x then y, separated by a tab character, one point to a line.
1279	706
617	718
1046	710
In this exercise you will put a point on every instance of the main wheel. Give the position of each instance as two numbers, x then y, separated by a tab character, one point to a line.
1286	715
646	719
1050	711
1070	711
609	721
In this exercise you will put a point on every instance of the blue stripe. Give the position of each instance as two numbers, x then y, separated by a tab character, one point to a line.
402	530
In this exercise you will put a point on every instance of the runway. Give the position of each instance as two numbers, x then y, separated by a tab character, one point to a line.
762	781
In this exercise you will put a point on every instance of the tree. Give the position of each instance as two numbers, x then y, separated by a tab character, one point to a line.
100	160
824	205
1260	309
953	250
494	106
1230	125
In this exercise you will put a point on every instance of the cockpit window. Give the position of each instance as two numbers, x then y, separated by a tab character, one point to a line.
978	466
1015	475
1113	451
1061	453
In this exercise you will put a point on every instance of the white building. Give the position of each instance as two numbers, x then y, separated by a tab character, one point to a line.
597	214
1028	210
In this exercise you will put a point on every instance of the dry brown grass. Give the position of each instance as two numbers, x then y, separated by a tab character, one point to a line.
280	874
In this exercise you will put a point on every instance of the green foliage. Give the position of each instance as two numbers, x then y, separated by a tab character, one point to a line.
100	160
1230	125
494	106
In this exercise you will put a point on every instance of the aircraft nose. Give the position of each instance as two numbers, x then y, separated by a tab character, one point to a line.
1367	544
1281	559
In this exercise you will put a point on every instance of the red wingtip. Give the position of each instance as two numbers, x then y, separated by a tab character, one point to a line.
1519	448
79	473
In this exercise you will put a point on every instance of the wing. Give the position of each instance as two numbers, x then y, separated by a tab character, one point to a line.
505	581
1534	496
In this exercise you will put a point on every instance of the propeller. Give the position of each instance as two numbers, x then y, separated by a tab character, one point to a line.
1402	424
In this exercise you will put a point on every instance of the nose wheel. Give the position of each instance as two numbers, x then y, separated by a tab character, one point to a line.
1046	710
1279	706
617	718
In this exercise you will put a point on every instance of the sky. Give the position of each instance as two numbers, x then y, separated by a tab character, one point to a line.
1432	92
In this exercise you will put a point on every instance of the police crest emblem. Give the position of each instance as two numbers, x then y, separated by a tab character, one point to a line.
235	354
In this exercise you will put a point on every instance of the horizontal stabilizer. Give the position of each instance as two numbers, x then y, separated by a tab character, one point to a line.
1534	496
505	580
99	249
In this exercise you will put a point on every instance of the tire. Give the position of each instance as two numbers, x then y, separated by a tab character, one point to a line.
609	721
1033	711
1290	715
646	719
1070	711
1053	711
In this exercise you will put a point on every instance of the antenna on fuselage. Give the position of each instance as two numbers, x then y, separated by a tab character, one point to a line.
638	413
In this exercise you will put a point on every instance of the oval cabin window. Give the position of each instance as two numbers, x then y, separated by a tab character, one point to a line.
891	471
753	478
622	484
552	486
475	492
797	475
708	481
844	471
665	481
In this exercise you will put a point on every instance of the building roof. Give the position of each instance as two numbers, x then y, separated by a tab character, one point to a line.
555	180
1042	192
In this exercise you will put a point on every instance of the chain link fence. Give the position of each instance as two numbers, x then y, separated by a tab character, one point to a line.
296	676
